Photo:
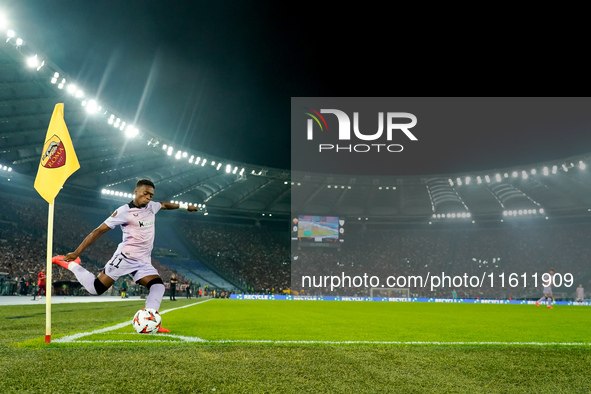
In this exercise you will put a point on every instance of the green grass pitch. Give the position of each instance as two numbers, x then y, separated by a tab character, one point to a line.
298	346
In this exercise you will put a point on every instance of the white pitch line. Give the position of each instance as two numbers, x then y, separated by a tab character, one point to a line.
74	337
182	338
401	343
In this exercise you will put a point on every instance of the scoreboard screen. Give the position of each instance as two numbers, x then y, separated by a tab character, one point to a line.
318	229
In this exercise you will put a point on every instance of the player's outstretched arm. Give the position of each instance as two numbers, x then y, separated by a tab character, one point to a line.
89	240
170	205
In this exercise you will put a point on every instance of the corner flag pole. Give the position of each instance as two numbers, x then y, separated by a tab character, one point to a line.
48	281
58	162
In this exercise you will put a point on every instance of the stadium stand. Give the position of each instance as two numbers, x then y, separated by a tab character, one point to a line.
256	258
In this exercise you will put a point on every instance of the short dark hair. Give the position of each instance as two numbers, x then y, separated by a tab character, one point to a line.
144	181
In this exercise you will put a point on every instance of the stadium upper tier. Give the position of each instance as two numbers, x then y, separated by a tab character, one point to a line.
113	153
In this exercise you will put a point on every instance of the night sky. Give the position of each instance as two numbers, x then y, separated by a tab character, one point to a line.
217	76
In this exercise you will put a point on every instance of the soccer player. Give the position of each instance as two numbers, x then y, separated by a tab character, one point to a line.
547	282
580	293
41	276
133	255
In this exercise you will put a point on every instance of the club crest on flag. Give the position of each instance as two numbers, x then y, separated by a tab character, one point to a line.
54	155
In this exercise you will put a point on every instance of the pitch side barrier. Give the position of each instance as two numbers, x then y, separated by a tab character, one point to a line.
394	299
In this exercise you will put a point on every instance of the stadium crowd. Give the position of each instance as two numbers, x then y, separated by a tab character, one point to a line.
257	255
260	256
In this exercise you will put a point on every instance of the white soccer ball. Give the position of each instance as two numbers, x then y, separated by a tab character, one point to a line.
146	321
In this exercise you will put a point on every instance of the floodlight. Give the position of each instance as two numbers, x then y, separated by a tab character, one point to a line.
131	131
19	42
33	61
91	106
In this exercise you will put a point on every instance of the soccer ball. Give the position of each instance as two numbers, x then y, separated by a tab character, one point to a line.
146	321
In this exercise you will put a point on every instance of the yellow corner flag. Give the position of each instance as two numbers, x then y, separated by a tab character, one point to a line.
58	162
58	159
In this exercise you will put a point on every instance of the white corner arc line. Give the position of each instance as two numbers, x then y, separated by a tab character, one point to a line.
74	337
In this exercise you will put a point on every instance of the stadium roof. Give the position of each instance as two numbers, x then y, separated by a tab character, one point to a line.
114	153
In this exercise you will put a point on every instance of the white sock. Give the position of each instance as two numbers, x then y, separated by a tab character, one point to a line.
84	277
155	296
